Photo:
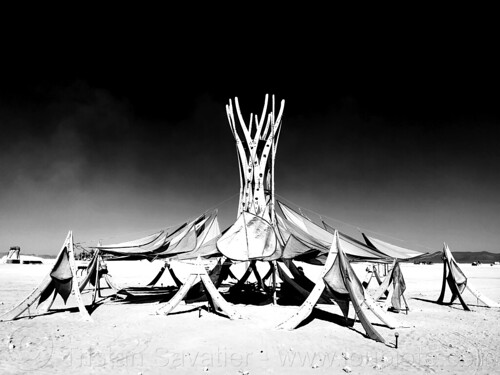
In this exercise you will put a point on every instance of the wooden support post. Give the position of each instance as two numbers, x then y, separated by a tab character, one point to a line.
96	282
260	282
306	308
273	266
76	289
200	273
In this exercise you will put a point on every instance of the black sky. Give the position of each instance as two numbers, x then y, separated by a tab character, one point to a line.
120	131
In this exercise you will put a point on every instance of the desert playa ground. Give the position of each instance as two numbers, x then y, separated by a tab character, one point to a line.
133	339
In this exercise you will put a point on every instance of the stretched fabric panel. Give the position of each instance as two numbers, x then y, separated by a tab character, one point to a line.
455	270
250	237
135	243
282	229
179	239
184	242
92	268
318	238
334	281
206	244
205	250
280	243
294	247
277	253
318	233
395	277
390	250
156	245
46	293
384	285
305	238
399	286
211	230
352	246
62	277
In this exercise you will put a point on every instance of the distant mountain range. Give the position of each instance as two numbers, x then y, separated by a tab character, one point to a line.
464	257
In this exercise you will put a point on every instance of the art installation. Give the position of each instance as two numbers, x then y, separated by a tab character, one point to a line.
265	230
253	235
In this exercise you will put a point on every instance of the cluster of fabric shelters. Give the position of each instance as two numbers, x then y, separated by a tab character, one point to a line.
199	240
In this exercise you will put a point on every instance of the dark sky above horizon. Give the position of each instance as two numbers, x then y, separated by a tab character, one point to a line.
115	137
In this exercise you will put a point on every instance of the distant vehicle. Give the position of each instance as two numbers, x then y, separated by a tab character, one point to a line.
476	263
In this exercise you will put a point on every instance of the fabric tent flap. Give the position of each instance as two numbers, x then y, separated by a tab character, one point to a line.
250	237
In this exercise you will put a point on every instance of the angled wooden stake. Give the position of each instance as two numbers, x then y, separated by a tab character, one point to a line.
200	273
306	308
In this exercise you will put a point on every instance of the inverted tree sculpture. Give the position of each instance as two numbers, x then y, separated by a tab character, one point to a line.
253	235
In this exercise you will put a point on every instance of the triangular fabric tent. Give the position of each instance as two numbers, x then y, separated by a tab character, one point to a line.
457	282
344	286
395	294
61	280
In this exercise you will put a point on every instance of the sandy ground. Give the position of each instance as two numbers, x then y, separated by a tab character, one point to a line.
132	339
